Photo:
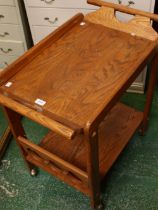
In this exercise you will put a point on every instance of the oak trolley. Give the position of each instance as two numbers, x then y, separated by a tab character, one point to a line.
71	83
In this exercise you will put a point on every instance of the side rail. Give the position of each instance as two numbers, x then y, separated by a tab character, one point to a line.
41	157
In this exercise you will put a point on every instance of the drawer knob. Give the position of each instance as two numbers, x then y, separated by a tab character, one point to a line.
48	1
4	34
51	21
1	16
6	51
129	3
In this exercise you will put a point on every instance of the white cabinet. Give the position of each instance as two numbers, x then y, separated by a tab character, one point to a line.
8	15
13	36
7	2
46	15
59	4
13	32
8	47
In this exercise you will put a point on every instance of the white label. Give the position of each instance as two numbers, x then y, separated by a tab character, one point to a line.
82	23
8	84
40	102
133	34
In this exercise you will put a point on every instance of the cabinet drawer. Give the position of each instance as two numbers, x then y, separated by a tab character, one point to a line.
10	32
5	60
11	48
40	32
60	4
7	2
8	15
52	16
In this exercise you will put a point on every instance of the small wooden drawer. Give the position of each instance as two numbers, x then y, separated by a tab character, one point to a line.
60	4
5	60
11	48
39	32
8	15
10	32
52	16
7	2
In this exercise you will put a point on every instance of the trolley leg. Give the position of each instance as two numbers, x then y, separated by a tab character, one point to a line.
150	92
91	141
14	120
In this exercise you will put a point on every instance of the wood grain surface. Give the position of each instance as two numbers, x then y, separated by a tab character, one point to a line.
114	134
50	158
137	26
31	54
80	73
38	117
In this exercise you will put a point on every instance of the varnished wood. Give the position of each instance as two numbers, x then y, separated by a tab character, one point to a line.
47	156
4	141
66	177
92	153
124	9
78	90
14	120
113	135
6	136
138	26
37	117
98	116
75	152
32	53
150	92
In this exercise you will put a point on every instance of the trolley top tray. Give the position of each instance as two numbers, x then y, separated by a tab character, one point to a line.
78	70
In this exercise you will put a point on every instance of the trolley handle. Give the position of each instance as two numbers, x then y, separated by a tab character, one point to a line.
124	9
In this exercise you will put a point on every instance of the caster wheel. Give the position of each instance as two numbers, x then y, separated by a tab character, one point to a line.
100	207
33	172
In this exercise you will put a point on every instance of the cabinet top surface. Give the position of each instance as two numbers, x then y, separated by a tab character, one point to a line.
80	73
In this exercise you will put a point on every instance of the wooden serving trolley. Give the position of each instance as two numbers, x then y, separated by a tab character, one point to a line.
71	83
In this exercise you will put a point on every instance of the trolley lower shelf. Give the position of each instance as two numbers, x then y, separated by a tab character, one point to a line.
114	133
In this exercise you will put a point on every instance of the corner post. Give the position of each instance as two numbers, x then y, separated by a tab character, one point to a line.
14	120
150	93
92	147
